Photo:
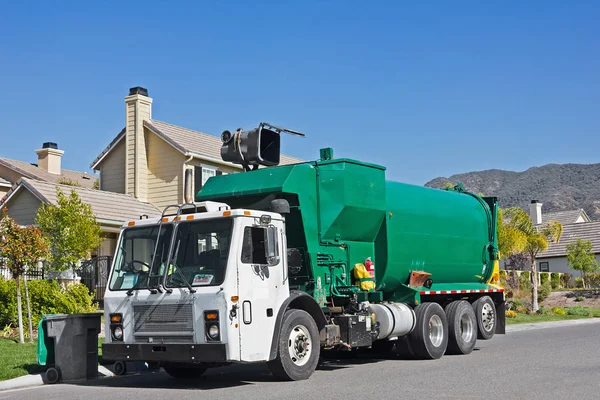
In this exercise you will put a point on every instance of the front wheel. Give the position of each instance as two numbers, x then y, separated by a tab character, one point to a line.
298	348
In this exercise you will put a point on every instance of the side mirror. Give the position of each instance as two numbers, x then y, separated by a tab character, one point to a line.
272	246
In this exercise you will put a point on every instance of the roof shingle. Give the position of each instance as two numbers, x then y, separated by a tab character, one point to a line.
564	217
572	232
33	171
105	205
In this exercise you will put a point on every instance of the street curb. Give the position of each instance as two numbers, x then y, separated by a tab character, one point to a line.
551	324
38	379
22	381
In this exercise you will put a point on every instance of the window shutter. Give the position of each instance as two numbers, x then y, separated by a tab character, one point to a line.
197	180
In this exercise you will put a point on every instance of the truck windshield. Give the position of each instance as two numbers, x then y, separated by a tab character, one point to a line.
200	253
134	255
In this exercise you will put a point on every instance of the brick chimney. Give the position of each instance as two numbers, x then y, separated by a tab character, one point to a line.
535	212
49	158
138	108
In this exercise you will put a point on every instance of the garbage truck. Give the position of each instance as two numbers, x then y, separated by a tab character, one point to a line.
280	264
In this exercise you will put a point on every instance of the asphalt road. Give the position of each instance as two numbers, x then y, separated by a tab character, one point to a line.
549	363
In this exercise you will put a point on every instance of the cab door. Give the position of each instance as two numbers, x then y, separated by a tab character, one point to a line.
262	286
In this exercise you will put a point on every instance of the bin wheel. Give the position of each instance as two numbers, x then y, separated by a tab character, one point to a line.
120	368
53	374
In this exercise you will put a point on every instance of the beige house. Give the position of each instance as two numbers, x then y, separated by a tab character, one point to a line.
110	209
48	169
148	158
141	171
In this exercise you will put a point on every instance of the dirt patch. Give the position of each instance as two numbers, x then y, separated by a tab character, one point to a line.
568	299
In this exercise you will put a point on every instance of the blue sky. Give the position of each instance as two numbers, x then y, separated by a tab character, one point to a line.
428	89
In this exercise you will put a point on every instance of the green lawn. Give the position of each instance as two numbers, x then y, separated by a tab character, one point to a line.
20	359
528	319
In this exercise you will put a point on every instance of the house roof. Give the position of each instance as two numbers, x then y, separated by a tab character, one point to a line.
565	217
572	232
34	172
4	182
107	206
187	141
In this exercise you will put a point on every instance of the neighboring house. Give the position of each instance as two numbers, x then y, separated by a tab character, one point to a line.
111	209
5	186
48	169
148	158
576	225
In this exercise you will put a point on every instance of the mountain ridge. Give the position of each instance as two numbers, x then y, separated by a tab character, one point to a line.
559	187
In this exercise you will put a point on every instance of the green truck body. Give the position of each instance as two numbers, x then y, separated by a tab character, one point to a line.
343	211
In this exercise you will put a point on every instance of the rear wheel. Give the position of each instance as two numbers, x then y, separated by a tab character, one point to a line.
429	339
184	371
462	327
485	310
299	347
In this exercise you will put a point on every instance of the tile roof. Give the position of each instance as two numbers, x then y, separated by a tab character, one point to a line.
186	141
564	217
33	171
105	205
572	232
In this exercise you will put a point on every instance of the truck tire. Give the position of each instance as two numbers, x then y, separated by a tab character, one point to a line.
429	339
462	327
485	310
184	371
298	349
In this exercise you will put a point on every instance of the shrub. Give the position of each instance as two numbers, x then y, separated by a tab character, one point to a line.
522	309
578	310
555	280
525	281
565	280
544	277
502	278
558	311
46	298
579	298
511	314
578	283
593	279
515	303
544	290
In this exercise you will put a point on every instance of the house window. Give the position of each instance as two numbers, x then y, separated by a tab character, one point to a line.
544	267
201	175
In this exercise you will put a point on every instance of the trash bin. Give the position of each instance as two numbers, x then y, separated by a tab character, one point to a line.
69	342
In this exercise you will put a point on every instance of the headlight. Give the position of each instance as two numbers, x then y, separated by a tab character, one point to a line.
118	333
213	332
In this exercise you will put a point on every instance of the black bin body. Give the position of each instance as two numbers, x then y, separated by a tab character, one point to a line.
75	344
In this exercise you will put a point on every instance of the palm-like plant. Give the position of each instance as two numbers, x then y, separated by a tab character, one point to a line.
516	233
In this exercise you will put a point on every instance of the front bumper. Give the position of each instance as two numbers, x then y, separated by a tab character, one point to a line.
183	353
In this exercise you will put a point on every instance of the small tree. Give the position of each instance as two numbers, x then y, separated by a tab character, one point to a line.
581	258
71	229
535	241
21	247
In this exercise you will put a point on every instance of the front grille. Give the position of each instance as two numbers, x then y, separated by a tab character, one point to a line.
163	318
163	339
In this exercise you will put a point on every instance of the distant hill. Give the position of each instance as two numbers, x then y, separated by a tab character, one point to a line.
558	186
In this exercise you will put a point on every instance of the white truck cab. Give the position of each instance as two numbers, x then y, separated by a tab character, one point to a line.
200	287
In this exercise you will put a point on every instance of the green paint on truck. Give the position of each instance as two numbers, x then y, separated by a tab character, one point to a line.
343	211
